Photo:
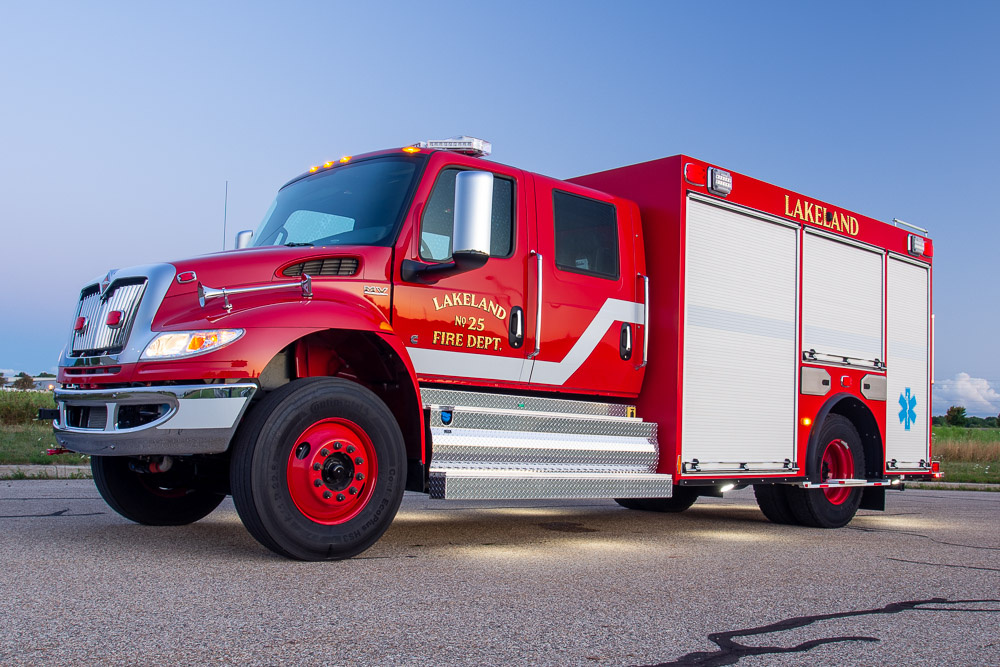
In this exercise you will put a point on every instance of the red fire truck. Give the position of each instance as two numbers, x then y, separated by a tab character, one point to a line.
424	319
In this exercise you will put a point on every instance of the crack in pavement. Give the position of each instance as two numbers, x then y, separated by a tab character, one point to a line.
57	513
926	537
964	567
730	651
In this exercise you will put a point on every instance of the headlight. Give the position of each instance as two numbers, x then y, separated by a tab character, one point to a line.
188	343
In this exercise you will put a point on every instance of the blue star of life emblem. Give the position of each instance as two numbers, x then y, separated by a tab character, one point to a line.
907	415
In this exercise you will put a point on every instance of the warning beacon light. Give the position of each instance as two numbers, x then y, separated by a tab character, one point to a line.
719	182
463	144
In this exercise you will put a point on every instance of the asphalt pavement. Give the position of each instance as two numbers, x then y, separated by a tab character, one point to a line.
459	583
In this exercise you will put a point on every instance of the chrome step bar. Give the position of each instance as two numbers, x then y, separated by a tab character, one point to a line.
502	447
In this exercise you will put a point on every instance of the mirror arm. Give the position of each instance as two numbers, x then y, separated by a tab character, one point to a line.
417	272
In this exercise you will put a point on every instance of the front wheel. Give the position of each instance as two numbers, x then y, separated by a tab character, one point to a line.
838	454
318	469
154	499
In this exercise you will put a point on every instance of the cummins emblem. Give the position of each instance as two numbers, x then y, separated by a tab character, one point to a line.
376	289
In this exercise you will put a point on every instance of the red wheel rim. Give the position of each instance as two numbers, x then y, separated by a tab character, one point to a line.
838	463
331	471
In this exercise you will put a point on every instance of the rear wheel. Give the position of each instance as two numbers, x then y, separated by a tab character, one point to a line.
838	454
683	497
318	469
154	499
773	502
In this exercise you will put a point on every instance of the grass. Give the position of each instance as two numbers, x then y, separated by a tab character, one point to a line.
25	444
21	407
969	455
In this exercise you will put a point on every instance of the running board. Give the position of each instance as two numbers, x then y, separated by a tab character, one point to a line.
500	484
503	447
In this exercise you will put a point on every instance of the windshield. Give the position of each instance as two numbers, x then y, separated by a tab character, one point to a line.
355	204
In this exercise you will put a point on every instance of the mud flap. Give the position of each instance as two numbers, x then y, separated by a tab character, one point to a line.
873	498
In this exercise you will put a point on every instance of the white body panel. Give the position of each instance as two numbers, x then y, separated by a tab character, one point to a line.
842	288
908	360
740	340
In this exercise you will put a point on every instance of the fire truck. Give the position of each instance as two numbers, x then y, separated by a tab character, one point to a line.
424	319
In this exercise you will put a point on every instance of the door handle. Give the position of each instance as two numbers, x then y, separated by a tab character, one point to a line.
516	327
538	310
625	342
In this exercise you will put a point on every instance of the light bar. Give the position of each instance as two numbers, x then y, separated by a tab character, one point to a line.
719	182
463	144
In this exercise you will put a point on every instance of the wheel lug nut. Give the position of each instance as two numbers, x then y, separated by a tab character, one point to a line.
336	445
350	449
340	497
317	482
327	494
352	491
359	476
324	452
316	466
359	461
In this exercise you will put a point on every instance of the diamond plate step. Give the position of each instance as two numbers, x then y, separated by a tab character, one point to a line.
433	397
482	447
497	484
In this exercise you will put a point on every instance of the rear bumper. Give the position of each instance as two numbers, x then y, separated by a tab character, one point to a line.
177	420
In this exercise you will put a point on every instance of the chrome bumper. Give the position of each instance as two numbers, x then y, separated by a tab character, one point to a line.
194	419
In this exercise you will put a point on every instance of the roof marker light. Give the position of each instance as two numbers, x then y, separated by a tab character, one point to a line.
719	182
327	165
411	149
345	159
313	169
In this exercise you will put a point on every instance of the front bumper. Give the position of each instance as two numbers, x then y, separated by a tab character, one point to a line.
176	420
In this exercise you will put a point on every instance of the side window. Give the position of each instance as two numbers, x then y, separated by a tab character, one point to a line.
439	218
586	235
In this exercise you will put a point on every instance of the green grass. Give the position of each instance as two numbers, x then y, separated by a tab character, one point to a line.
25	444
969	455
21	407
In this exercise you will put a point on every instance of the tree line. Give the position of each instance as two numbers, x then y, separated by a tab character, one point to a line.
955	416
22	380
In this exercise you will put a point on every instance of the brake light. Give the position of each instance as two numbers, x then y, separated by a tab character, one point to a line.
115	318
80	323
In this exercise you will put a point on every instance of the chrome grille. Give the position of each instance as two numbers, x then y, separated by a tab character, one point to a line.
97	337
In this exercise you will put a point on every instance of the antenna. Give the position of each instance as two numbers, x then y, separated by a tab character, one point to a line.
225	214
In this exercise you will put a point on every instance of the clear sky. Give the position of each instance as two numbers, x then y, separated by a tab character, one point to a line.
121	122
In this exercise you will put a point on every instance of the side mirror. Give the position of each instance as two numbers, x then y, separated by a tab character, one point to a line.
243	239
473	216
471	233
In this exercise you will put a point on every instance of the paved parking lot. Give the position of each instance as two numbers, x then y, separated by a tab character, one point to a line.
560	583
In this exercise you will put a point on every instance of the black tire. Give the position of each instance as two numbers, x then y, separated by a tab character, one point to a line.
160	499
815	507
683	497
292	518
774	503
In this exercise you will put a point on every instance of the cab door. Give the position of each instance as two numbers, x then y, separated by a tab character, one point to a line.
468	328
591	333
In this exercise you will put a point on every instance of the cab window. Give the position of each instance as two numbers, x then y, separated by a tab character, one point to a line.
586	235
439	218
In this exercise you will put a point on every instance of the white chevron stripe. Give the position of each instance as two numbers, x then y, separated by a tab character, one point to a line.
515	369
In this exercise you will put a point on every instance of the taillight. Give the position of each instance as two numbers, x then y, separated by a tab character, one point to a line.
80	323
115	318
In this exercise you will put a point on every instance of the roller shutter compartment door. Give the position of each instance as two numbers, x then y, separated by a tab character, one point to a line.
842	300
740	340
908	364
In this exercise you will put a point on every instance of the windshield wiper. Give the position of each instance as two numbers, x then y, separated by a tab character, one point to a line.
296	245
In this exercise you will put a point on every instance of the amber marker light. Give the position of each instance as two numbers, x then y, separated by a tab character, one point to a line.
411	149
806	421
313	168
327	165
345	159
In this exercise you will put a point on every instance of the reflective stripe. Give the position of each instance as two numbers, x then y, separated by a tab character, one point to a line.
491	367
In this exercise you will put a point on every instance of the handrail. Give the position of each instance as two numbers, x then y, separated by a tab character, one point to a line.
538	310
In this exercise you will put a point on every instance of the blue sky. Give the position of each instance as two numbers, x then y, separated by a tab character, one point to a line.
121	122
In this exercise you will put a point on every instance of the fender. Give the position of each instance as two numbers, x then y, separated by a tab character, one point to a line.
269	329
854	409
